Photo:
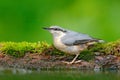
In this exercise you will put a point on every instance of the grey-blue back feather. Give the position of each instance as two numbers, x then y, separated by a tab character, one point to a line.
72	37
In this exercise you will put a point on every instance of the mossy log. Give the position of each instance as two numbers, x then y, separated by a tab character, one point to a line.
41	55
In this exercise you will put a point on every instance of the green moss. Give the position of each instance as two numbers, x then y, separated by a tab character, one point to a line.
19	49
112	48
86	55
107	48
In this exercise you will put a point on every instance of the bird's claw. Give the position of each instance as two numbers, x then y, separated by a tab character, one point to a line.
66	62
79	61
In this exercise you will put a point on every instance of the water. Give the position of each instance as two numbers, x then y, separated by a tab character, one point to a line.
21	74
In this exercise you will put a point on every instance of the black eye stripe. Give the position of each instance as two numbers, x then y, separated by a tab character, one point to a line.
57	29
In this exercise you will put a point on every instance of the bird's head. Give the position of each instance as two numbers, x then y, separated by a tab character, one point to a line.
56	30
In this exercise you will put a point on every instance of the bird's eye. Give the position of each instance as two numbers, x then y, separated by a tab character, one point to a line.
55	29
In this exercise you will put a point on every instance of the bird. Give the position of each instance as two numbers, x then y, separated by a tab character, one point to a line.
71	42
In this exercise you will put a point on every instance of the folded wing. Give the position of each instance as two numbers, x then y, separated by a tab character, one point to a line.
74	38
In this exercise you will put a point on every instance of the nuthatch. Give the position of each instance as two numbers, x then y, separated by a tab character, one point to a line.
70	42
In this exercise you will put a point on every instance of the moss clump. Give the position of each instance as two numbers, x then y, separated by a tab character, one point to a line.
86	55
112	48
18	49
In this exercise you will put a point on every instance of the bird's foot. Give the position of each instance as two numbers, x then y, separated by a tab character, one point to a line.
66	62
79	61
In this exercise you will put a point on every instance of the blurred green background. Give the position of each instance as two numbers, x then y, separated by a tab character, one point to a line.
22	20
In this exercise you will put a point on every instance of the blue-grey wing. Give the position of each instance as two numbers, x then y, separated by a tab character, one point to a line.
74	38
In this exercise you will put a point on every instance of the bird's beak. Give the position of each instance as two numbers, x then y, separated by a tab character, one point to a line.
46	28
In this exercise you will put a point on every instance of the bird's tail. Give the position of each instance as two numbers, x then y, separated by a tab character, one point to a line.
92	42
95	41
